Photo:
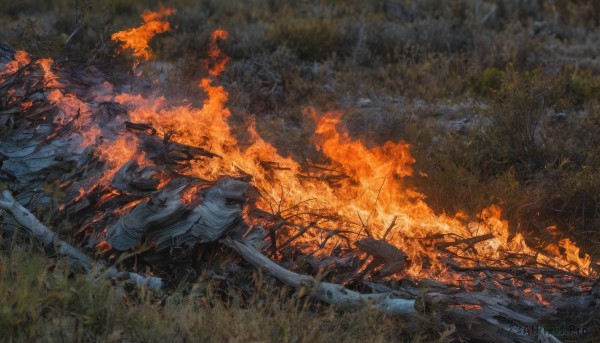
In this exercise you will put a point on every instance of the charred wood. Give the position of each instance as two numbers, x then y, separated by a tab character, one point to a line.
392	258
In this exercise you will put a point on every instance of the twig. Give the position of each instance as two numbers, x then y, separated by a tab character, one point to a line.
468	241
376	199
300	232
389	229
272	234
364	226
517	270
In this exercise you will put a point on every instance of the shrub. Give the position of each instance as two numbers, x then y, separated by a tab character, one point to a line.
312	37
488	82
510	135
581	86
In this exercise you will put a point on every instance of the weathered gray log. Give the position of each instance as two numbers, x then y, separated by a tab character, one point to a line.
166	221
35	149
327	292
51	240
501	317
219	212
160	211
41	232
135	180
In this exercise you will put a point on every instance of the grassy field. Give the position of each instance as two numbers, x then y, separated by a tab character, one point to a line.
498	99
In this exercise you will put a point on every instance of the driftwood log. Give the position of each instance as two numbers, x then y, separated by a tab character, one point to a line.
51	241
327	292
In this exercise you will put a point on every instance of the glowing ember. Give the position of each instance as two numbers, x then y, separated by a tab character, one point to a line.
541	300
127	207
21	59
103	247
470	307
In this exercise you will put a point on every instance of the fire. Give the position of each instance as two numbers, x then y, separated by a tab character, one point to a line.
362	192
215	53
390	161
573	255
22	58
138	38
120	152
359	190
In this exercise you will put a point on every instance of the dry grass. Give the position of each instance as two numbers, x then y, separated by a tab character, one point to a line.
42	301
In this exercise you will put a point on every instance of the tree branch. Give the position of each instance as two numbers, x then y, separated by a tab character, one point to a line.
327	292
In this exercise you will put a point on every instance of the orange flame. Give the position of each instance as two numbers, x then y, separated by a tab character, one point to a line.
138	38
72	109
359	190
21	59
573	255
365	194
215	53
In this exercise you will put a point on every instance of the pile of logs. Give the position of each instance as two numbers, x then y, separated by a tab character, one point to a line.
167	218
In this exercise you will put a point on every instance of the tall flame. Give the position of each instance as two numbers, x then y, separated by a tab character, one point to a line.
138	38
215	54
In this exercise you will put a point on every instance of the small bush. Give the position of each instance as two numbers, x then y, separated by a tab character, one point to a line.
510	135
488	82
312	37
582	86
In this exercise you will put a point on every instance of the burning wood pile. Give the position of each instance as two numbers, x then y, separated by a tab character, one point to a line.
166	184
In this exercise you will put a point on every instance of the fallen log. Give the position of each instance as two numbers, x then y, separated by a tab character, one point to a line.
167	222
327	292
493	323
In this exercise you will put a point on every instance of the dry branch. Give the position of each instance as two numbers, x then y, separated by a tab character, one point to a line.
384	253
468	241
327	292
51	240
525	271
